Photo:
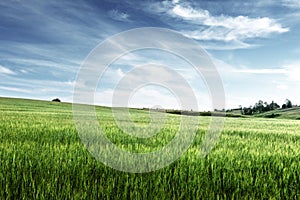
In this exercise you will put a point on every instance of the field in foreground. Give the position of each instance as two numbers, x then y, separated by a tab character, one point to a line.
42	157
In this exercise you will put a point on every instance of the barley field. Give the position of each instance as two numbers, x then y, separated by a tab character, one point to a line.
42	157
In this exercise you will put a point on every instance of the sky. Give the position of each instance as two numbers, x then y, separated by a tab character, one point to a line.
254	45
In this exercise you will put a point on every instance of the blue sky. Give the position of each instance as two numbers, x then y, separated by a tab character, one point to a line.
254	45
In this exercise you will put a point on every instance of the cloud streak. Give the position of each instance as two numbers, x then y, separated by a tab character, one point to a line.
5	70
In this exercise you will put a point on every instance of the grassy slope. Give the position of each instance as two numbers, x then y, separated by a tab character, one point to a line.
289	113
42	157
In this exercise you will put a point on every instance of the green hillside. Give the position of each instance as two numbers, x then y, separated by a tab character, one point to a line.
288	113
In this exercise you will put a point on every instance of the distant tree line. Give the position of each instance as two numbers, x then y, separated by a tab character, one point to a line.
261	107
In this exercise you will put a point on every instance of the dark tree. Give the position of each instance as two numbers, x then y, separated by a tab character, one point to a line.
283	106
274	106
267	107
258	107
56	100
247	111
288	103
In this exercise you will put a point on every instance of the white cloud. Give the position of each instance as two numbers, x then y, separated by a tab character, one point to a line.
226	28
5	70
189	13
119	16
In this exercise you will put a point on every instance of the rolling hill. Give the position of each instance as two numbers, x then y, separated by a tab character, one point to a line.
288	113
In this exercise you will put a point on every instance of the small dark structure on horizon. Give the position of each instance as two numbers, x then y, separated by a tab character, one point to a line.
56	100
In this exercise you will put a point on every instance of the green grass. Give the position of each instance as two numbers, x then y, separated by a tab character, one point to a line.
42	157
288	113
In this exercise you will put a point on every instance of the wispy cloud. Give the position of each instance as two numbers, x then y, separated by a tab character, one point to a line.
118	15
5	70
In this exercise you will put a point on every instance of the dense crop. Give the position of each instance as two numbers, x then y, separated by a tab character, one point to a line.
42	157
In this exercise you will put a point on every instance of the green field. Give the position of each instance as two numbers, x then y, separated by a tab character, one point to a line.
42	157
